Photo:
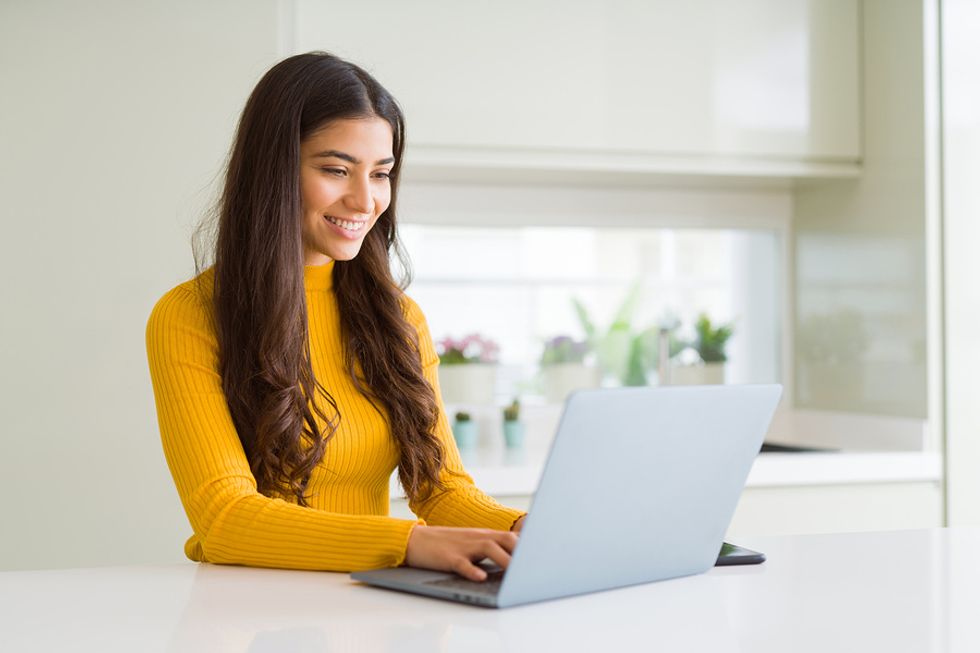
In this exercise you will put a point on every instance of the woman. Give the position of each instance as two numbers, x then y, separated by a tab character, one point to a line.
293	375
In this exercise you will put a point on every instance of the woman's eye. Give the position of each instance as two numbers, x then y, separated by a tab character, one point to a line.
383	175
340	172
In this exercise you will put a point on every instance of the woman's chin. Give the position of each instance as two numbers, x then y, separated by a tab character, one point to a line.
345	253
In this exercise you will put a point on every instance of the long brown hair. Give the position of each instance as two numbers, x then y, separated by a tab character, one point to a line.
259	301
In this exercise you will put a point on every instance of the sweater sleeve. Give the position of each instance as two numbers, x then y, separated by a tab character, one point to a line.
232	522
463	504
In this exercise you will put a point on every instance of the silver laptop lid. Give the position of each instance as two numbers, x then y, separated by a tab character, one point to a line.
640	485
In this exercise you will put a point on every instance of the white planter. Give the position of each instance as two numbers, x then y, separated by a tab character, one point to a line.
468	383
560	379
702	374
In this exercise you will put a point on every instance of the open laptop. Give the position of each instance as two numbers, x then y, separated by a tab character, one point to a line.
640	485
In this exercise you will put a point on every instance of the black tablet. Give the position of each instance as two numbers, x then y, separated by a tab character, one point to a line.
736	555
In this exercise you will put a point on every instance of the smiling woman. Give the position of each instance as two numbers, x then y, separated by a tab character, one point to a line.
294	374
345	183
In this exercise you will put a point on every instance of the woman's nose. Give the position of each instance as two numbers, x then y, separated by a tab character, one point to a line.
359	196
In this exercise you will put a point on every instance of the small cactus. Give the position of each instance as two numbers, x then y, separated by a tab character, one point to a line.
512	412
463	417
711	340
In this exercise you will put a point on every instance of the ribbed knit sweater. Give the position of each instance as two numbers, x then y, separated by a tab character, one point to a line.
346	526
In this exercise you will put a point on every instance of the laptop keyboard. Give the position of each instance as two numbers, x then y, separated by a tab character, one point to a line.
490	586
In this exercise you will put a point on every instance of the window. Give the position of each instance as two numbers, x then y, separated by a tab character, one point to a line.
517	284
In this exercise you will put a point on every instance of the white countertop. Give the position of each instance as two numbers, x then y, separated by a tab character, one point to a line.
502	473
907	591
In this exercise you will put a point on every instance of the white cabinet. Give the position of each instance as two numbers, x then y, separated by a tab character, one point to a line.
741	81
837	508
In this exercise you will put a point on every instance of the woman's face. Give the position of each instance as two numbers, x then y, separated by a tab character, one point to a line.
344	185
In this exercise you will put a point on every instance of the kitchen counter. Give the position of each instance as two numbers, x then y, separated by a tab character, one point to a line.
504	473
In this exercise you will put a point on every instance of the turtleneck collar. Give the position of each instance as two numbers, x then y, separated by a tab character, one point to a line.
318	277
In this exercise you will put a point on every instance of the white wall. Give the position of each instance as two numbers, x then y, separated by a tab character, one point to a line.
114	116
961	197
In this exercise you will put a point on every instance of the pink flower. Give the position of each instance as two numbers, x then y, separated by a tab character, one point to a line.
472	348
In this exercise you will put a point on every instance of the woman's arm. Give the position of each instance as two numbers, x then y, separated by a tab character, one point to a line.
232	522
463	504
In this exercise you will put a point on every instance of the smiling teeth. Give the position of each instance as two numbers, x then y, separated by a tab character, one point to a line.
349	226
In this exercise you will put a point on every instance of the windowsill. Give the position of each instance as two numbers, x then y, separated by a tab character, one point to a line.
857	449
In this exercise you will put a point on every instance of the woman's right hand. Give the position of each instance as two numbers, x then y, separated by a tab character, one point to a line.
445	548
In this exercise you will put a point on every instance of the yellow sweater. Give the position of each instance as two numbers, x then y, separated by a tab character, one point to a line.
346	527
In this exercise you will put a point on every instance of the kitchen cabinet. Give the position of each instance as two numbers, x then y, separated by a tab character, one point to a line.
663	86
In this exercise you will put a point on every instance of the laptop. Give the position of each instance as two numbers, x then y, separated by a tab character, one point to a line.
640	485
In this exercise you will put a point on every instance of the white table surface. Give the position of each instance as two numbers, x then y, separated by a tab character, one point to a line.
898	591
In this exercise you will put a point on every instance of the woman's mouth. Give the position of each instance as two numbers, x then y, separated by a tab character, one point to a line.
349	228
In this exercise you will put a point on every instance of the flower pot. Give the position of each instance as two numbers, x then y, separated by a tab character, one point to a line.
465	434
468	383
513	433
701	374
560	379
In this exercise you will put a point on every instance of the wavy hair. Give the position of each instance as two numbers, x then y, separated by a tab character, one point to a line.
259	302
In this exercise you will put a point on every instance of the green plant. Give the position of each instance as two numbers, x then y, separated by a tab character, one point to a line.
620	351
512	412
710	341
463	417
612	348
642	357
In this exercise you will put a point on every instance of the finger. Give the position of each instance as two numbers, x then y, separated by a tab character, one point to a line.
465	568
506	539
496	553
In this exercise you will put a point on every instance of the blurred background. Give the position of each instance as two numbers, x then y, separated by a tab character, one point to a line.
595	193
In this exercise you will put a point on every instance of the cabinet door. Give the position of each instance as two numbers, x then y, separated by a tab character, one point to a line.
837	508
771	78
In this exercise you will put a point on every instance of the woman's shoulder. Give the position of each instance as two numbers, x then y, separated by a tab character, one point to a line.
187	305
415	317
412	311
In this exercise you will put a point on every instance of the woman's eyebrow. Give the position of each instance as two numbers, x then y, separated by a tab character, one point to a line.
347	157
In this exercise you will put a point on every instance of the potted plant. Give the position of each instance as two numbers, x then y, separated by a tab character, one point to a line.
467	369
563	368
645	351
625	356
709	343
464	431
614	349
513	426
